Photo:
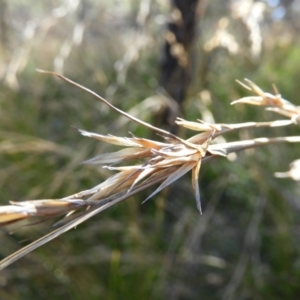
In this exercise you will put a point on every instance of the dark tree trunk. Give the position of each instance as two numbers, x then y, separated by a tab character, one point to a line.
176	61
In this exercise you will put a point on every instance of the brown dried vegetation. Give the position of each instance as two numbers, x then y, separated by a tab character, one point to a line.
152	162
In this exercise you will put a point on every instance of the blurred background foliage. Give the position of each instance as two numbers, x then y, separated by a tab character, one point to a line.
246	243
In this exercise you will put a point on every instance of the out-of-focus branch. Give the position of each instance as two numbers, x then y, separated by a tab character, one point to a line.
176	72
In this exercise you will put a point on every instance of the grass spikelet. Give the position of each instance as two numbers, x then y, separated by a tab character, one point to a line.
143	163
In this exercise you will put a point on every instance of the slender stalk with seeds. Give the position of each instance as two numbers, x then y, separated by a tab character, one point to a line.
161	162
